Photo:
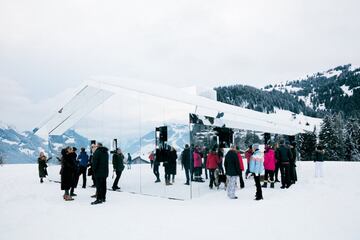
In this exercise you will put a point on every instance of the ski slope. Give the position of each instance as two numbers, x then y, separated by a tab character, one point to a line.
326	208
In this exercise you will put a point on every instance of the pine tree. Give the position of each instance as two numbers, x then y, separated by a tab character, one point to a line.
332	138
352	133
339	126
307	142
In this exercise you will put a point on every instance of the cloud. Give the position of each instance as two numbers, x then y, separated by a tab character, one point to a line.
19	110
58	43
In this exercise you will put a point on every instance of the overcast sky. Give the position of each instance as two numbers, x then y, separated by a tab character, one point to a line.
49	46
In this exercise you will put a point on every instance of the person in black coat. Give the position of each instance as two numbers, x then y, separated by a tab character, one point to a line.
185	162
167	164
172	163
232	170
156	169
76	175
293	174
118	165
283	155
42	166
101	171
67	172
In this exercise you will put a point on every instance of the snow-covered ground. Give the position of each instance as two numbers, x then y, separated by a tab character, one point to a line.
326	208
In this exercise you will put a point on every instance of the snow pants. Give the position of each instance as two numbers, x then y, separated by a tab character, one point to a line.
231	187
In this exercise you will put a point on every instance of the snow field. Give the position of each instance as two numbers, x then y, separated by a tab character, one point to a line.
324	208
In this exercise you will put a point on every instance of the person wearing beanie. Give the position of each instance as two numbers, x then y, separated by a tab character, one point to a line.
232	170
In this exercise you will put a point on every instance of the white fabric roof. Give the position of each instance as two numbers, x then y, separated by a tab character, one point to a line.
95	92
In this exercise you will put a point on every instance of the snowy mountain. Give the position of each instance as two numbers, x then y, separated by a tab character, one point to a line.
178	136
24	147
335	90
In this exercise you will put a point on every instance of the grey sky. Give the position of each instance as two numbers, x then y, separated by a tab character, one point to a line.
53	45
48	46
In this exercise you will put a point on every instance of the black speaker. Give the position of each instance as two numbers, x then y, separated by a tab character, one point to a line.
267	138
225	136
115	144
162	133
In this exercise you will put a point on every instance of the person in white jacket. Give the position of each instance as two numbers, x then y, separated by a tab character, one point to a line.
319	161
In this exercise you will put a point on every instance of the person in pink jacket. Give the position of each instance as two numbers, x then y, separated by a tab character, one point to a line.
242	185
269	165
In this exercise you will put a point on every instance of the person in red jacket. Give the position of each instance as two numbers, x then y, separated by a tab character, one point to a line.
151	158
269	165
242	185
197	165
248	154
211	164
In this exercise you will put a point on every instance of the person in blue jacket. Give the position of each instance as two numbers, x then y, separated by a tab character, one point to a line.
84	162
256	168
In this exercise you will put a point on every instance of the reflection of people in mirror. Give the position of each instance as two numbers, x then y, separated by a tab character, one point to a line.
129	160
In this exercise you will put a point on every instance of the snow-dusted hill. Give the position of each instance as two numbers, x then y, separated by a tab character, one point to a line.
24	147
336	89
321	209
178	136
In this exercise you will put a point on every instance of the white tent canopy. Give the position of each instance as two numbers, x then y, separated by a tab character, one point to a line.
92	93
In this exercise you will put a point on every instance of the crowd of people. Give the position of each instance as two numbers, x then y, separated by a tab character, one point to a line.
276	157
218	166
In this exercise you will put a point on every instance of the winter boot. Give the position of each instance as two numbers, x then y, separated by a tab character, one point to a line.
97	201
258	196
41	180
272	185
264	185
68	198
